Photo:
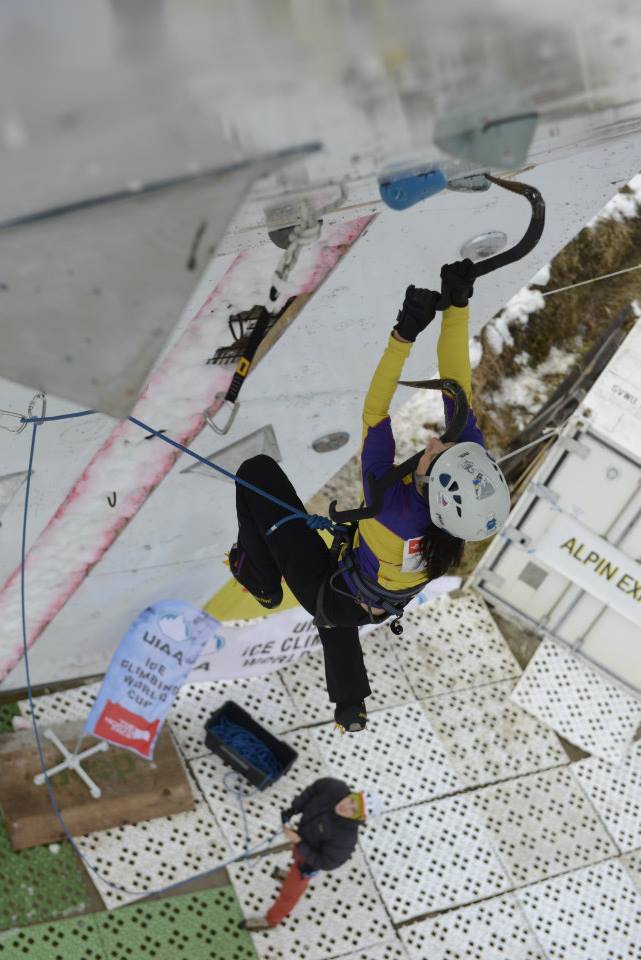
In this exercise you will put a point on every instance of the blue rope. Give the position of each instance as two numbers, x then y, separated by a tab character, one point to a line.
52	798
248	746
313	521
61	416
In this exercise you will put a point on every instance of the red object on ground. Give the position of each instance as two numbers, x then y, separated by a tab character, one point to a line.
126	729
294	886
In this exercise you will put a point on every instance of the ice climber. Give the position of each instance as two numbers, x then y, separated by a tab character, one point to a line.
324	839
456	493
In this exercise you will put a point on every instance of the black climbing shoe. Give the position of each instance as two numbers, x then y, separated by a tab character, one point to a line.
350	717
239	566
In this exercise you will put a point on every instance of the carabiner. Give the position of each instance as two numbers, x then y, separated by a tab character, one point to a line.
29	417
42	397
233	406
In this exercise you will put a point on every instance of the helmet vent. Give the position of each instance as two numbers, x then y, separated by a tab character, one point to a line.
445	480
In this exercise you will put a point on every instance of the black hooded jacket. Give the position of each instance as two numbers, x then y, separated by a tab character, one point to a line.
327	839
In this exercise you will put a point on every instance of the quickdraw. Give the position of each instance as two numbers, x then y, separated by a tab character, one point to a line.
30	417
243	366
302	235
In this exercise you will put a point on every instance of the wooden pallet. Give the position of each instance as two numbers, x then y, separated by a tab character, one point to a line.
133	789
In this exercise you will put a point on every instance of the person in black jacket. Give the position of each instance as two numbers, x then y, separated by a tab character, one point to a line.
325	838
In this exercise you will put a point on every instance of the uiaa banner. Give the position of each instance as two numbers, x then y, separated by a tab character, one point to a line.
151	663
172	642
593	564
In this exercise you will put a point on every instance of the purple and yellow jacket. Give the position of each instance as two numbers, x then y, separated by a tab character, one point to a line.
387	548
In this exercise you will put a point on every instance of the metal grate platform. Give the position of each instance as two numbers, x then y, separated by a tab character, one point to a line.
542	825
262	808
451	644
489	738
306	679
496	929
578	702
431	857
399	757
73	704
146	856
594	912
632	863
340	912
394	950
615	791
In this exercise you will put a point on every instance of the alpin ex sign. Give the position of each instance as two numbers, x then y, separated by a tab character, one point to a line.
594	564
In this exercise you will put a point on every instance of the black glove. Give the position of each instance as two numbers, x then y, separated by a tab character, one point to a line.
457	283
286	815
419	308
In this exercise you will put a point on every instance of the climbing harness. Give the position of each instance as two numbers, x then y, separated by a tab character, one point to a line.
372	594
302	235
366	591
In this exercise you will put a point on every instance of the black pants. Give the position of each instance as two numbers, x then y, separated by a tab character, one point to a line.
303	558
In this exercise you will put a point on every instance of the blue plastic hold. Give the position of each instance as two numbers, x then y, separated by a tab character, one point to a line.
403	191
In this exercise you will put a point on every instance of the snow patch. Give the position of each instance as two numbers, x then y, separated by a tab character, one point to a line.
476	352
542	277
622	206
424	406
529	390
517	310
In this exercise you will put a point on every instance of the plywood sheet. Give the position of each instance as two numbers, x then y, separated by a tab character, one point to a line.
133	789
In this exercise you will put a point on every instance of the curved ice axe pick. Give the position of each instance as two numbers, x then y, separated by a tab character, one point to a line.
527	242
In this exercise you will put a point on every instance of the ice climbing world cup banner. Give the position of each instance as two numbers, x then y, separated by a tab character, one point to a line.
278	641
153	660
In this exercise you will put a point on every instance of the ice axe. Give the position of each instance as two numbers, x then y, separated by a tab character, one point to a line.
527	242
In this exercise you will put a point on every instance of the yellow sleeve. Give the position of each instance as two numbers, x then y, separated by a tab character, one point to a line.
454	348
384	382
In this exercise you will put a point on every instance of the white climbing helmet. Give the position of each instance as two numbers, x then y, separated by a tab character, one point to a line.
467	493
